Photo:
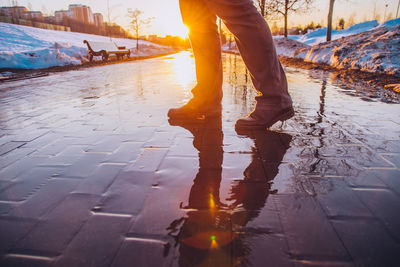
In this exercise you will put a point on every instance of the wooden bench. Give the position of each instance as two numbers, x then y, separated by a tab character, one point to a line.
104	49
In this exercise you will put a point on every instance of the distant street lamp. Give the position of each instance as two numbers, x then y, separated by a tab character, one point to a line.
109	21
108	11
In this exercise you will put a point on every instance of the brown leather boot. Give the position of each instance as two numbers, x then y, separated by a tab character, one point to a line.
193	112
255	121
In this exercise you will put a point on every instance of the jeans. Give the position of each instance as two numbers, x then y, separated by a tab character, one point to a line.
254	41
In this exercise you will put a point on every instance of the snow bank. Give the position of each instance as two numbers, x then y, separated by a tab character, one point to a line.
319	35
376	50
34	48
391	23
284	47
366	46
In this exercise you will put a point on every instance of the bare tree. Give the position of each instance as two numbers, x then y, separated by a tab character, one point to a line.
261	4
330	14
137	23
285	7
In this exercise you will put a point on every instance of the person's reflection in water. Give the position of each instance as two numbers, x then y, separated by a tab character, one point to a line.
206	235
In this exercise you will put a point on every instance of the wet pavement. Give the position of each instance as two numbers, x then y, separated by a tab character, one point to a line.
93	174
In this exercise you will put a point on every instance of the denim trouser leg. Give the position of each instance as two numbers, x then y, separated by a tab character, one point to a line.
206	45
254	40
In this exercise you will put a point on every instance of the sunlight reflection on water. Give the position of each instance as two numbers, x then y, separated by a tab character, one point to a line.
183	69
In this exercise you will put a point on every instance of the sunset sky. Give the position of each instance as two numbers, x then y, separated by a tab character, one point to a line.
168	21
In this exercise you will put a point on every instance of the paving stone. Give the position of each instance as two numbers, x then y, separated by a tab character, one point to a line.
171	187
183	147
385	146
4	185
100	180
332	167
5	137
20	167
87	138
47	198
267	218
14	260
234	165
365	179
307	229
394	159
14	156
97	242
385	205
54	146
391	178
235	144
142	253
257	250
29	135
127	193
368	243
337	199
160	140
57	228
85	166
148	161
25	185
69	156
127	152
7	147
11	230
358	154
139	134
109	144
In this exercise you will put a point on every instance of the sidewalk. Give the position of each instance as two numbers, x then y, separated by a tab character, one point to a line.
93	174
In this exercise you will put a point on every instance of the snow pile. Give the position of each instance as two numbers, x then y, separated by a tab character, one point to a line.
317	36
54	55
286	47
376	50
34	48
229	47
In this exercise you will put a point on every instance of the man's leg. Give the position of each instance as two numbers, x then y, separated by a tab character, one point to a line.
206	45
254	40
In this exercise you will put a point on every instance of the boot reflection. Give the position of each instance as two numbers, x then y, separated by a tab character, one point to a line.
205	236
249	194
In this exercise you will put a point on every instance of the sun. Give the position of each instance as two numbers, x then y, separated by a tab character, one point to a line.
182	31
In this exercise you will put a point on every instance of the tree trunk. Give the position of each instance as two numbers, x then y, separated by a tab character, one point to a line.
262	8
286	17
330	15
137	41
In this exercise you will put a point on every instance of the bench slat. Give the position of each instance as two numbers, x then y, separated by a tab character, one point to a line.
98	46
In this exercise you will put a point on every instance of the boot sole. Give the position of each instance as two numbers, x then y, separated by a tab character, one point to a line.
192	117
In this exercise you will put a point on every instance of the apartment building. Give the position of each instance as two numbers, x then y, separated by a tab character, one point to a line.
16	12
98	20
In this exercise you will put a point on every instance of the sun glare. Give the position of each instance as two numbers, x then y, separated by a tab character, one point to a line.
184	71
182	31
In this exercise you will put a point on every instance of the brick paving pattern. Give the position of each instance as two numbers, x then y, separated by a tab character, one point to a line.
92	173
